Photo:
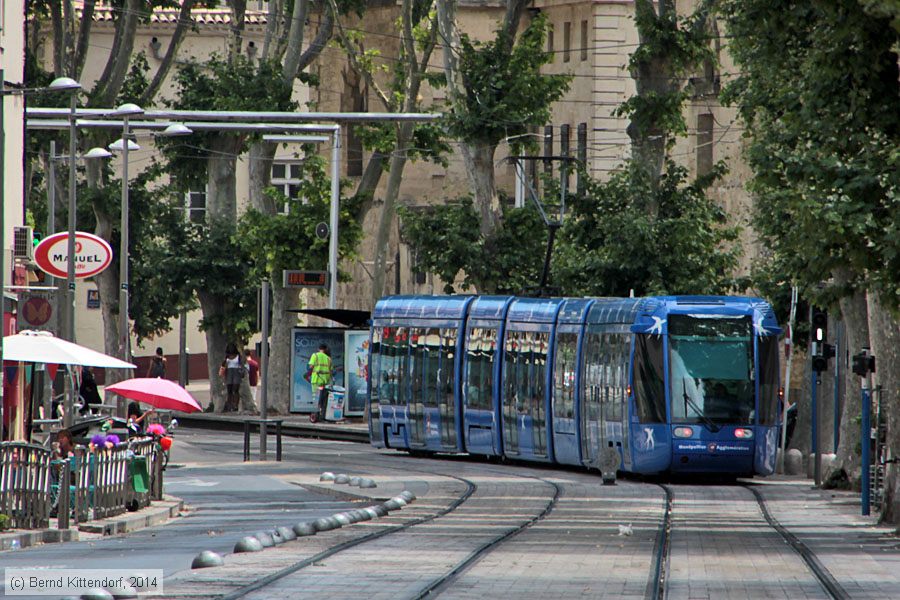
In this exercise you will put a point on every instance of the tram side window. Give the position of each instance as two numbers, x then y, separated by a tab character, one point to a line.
375	365
447	373
510	366
768	379
540	347
418	362
396	371
591	368
480	367
649	382
564	376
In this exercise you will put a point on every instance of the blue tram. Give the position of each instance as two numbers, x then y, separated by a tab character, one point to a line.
675	384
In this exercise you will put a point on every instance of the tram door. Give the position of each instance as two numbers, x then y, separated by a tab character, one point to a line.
419	352
376	429
446	386
538	375
591	438
512	405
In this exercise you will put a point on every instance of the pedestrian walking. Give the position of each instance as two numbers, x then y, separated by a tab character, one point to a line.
88	390
252	367
158	364
320	376
232	372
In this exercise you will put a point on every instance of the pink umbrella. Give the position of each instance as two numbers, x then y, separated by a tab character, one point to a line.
157	392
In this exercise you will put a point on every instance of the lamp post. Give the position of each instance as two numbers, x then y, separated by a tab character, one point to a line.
57	85
124	145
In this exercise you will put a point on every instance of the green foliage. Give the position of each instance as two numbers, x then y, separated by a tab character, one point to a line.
613	244
505	90
819	91
288	241
136	82
5	522
670	48
447	239
238	85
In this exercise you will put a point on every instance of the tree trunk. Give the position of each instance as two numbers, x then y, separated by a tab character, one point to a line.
479	161
884	333
221	197
280	350
388	210
261	157
801	384
212	306
847	462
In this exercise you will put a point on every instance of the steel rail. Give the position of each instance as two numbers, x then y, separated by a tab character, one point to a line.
831	585
656	585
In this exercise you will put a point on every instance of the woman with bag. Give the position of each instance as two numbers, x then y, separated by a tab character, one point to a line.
232	372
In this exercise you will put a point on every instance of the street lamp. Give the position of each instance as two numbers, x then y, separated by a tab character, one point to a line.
124	145
59	84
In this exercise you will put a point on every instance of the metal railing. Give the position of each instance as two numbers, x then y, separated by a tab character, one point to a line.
25	484
110	479
85	486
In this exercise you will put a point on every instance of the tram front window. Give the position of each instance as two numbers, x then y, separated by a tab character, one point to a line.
711	370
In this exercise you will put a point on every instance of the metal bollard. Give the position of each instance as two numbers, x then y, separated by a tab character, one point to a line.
62	507
246	441
158	476
278	441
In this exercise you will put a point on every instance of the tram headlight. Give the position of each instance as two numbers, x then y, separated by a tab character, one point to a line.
742	433
683	432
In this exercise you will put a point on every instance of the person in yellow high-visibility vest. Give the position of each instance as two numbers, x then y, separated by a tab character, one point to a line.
320	375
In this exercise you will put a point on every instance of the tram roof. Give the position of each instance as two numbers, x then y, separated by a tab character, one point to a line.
422	307
653	310
575	310
534	310
490	307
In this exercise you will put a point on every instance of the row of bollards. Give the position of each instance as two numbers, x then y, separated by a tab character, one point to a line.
274	537
341	478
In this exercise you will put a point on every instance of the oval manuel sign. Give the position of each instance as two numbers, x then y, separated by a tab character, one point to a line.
92	254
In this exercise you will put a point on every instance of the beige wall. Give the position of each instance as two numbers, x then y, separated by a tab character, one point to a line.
12	60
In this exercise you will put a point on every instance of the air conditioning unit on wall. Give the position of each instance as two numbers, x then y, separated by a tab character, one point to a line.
23	243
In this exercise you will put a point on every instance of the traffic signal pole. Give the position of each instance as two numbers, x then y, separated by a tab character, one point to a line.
817	468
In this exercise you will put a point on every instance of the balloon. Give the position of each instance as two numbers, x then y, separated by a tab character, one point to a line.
166	443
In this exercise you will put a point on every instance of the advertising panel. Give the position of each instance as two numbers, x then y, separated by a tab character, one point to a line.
356	367
304	343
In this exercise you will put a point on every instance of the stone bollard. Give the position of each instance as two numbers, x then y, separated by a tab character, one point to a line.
207	558
407	495
286	533
326	476
323	524
811	465
265	538
123	592
343	519
341	478
367	483
303	529
793	462
354	481
96	594
827	463
248	544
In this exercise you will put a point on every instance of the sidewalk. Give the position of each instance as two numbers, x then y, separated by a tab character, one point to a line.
167	508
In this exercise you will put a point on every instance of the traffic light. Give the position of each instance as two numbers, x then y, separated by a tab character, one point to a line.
819	325
821	353
863	364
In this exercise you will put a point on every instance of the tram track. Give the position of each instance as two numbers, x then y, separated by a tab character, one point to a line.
263	582
658	585
441	582
834	589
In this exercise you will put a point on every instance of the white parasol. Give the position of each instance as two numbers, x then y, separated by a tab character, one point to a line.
43	347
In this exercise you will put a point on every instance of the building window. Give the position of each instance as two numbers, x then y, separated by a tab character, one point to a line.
567	41
704	144
550	39
286	177
195	207
584	40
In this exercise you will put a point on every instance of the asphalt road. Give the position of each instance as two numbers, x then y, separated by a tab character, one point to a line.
226	499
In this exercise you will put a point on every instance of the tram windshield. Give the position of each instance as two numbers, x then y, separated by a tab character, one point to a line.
711	369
